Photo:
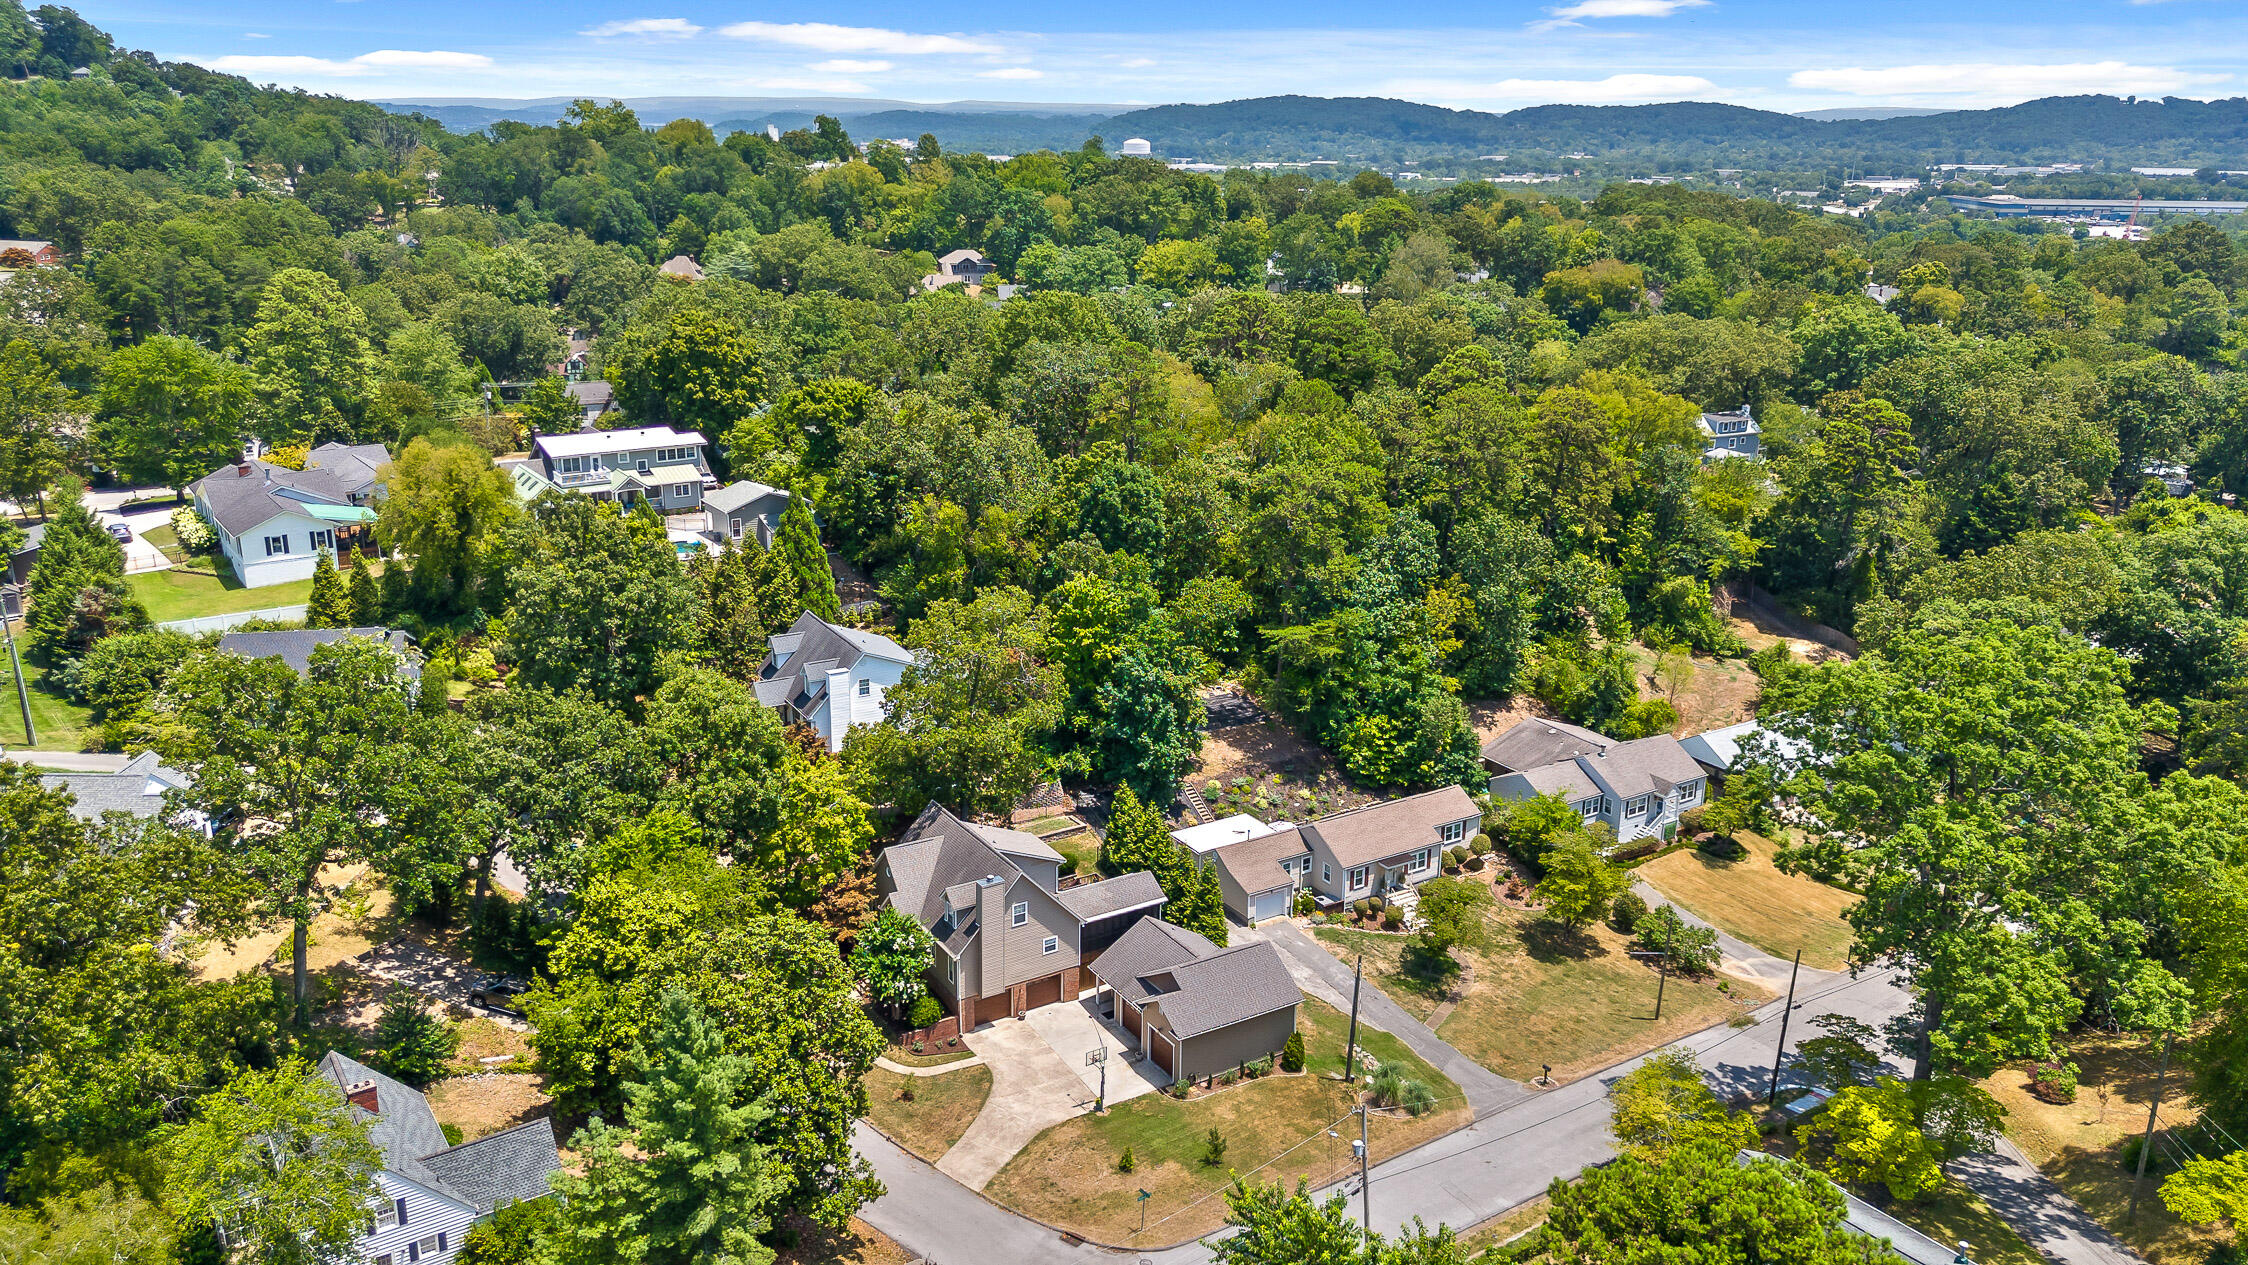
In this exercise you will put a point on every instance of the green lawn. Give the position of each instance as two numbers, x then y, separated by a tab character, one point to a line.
1542	994
166	541
1068	1175
186	594
62	724
1081	852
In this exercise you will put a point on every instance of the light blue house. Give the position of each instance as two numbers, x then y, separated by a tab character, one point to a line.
1638	788
1730	435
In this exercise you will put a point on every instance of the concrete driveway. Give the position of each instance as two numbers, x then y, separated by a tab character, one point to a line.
434	975
1032	1090
139	554
1074	1030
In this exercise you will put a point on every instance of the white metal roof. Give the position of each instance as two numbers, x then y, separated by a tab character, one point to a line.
1212	835
595	443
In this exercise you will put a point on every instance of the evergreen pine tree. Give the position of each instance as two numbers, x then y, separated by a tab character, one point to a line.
1139	839
76	554
366	603
414	1045
778	603
392	594
702	1185
731	627
798	543
330	605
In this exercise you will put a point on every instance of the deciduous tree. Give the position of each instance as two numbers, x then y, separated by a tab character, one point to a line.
277	1163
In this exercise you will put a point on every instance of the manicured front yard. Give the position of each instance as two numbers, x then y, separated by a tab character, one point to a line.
1068	1175
181	593
1545	994
2080	1145
1751	898
940	1111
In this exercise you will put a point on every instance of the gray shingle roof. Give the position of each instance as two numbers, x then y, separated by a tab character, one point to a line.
812	646
295	646
1019	843
1643	766
1254	864
739	493
940	854
1365	835
239	502
353	465
34	537
510	1165
505	1167
1197	986
1149	948
1564	779
138	788
1091	901
1536	743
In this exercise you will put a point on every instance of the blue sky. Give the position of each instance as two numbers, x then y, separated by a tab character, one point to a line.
1500	54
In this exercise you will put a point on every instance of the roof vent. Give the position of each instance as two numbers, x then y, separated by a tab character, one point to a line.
988	880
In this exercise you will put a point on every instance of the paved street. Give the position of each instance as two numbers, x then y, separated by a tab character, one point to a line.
54	761
1503	1159
2040	1211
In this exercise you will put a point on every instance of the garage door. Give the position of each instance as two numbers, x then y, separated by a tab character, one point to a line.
1043	992
1159	1049
1131	1018
1272	904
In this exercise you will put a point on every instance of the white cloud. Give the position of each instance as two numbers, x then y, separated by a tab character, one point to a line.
645	28
364	64
1011	72
1576	14
254	35
826	37
1999	80
1614	90
1136	63
809	85
851	66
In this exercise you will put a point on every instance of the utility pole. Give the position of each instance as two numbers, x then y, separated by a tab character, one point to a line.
2146	1143
23	695
1779	1055
1350	1052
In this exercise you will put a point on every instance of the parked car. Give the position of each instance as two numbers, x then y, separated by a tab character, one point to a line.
122	534
501	993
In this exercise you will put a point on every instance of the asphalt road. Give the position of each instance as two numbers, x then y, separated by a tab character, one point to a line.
1503	1159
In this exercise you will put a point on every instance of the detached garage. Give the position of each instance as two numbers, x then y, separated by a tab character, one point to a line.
1197	1009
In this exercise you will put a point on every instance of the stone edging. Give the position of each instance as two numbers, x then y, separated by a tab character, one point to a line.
973	1060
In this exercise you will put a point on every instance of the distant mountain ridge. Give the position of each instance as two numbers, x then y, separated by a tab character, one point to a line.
1694	134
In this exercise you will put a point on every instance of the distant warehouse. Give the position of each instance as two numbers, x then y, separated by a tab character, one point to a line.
2095	208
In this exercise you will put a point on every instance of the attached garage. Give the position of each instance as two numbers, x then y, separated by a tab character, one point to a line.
1161	1051
1272	904
1109	908
1042	992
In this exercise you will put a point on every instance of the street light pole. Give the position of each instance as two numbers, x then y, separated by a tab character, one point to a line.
1365	1191
23	694
1350	1051
2146	1144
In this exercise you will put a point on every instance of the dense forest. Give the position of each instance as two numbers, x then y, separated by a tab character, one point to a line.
1374	455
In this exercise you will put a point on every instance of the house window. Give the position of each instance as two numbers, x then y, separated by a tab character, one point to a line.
1454	831
573	465
276	545
1020	914
681	491
1634	807
737	528
392	1212
866	687
952	970
323	540
620	458
1357	877
1326	873
1420	859
383	1259
1052	943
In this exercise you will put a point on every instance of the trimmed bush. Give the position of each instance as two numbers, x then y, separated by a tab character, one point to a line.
925	1011
1393	918
2053	1082
1694	820
1292	1054
1125	1163
1363	907
1627	911
1480	845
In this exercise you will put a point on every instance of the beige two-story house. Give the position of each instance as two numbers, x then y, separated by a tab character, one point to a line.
1010	938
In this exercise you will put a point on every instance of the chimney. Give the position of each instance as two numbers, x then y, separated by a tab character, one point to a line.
361	1094
242	471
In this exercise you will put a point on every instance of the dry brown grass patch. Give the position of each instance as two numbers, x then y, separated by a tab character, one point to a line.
489	1102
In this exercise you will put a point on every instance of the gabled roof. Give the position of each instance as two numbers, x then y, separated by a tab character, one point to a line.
1716	749
500	1168
1198	986
1254	864
941	855
954	259
1564	779
739	493
1109	897
594	443
681	266
1643	766
1020	843
138	788
295	646
1537	742
353	465
509	1165
248	493
593	394
34	537
800	658
1365	835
